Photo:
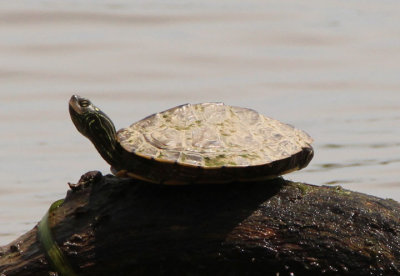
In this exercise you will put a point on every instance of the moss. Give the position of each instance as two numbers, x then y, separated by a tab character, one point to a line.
199	107
218	161
249	156
167	118
183	157
340	190
304	188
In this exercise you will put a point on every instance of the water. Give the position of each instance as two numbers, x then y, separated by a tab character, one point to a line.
330	68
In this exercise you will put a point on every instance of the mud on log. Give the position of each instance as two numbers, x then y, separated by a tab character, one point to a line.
111	226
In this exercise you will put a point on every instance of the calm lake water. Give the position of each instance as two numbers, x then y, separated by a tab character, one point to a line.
331	68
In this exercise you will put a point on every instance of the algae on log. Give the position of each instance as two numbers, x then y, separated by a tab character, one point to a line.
113	226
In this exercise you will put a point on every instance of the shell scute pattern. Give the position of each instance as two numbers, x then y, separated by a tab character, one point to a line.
212	135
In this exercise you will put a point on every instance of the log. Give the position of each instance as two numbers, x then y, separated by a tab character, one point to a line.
113	226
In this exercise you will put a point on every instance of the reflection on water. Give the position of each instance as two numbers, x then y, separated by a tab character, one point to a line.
328	68
332	166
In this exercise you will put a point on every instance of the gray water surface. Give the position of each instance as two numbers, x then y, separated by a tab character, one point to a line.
330	68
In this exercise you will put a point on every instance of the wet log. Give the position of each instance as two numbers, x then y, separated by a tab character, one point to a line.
112	226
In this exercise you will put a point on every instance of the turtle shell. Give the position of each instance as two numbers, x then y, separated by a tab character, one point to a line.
212	142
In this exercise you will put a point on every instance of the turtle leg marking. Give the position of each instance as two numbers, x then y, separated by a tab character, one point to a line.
121	173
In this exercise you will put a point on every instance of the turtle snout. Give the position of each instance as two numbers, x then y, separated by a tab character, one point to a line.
79	104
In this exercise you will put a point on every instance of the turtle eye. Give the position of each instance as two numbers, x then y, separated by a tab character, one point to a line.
84	103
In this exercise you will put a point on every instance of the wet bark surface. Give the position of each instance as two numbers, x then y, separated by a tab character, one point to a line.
113	226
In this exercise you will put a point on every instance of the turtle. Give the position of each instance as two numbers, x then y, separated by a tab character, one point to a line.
203	143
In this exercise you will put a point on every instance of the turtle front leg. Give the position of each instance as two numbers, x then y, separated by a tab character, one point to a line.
120	173
128	174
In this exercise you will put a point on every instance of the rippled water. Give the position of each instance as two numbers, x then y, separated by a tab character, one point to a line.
330	68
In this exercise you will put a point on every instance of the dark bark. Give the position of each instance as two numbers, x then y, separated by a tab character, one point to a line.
111	226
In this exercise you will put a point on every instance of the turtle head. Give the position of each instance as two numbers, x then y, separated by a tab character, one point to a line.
96	126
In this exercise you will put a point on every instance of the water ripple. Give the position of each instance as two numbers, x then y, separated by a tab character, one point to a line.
373	145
